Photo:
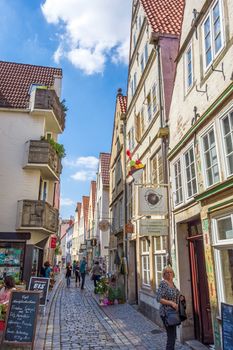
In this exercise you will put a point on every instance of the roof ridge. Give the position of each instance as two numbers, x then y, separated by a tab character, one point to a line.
31	65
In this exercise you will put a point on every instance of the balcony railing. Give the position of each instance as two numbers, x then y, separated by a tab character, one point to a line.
40	154
47	100
37	215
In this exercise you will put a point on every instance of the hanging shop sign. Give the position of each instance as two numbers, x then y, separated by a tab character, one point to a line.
152	201
94	242
153	227
53	242
104	225
129	228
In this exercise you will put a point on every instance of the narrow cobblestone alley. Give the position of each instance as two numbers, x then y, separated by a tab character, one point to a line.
76	321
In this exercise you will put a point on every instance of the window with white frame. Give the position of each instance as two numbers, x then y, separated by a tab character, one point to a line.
189	68
157	168
121	212
132	88
118	170
191	180
115	218
154	98
146	53
160	250
131	139
140	22
223	253
142	62
210	159
135	81
213	33
178	183
142	119
145	262
149	107
43	190
134	40
227	130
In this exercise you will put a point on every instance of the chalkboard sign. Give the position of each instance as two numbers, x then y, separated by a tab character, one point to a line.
40	284
227	326
21	318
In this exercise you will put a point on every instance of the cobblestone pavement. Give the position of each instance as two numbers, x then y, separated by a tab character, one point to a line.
76	321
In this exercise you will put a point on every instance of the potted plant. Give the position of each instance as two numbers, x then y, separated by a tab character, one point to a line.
3	310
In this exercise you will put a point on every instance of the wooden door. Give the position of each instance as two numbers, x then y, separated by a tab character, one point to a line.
201	302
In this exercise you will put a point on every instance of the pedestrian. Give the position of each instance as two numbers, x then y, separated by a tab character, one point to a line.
96	273
77	274
168	296
68	274
46	270
5	292
74	267
83	265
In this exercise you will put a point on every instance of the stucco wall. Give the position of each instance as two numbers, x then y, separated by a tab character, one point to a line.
15	182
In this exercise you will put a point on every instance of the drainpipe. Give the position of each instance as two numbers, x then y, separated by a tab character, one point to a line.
155	39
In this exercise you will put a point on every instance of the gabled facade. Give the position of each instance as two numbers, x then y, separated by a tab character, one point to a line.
201	166
155	32
83	227
116	184
75	239
90	225
30	114
102	209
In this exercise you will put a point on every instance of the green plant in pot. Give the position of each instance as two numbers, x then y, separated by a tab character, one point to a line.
58	147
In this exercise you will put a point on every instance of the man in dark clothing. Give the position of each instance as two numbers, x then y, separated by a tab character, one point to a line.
83	271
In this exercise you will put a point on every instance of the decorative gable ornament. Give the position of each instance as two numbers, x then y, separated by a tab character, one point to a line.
152	201
104	225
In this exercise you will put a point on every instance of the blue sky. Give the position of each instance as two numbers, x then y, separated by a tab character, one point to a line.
89	43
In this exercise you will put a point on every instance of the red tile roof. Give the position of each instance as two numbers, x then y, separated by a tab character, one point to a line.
16	79
123	102
164	16
105	167
85	205
78	209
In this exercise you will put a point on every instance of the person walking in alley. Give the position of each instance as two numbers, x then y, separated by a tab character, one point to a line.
46	270
77	274
168	296
74	267
83	265
68	274
96	273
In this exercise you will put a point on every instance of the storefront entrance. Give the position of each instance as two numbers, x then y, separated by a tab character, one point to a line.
201	302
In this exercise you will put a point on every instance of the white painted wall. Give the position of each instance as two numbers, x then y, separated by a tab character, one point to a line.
15	182
182	112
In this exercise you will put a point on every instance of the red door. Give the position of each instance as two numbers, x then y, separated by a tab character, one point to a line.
201	301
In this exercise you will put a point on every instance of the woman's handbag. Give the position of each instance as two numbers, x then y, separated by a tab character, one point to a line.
182	308
172	317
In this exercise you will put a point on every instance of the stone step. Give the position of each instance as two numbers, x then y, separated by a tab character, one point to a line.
196	345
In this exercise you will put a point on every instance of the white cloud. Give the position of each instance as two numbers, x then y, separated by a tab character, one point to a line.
84	162
91	31
67	202
84	175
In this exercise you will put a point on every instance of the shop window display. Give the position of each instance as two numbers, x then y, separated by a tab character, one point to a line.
11	260
223	243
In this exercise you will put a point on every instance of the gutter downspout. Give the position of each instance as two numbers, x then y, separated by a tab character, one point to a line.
155	39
